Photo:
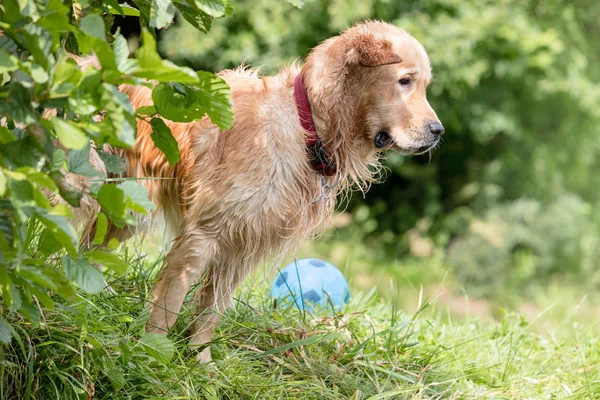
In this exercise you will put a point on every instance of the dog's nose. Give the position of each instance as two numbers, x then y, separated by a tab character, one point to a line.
436	128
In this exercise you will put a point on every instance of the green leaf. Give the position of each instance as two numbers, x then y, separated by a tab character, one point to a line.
6	285
108	260
198	19
3	183
215	98
69	135
40	178
6	136
16	103
22	197
113	163
38	74
163	139
93	25
87	277
136	196
79	163
121	49
101	229
58	160
39	43
112	200
151	66
62	230
35	275
5	335
8	62
30	310
214	8
146	110
56	19
116	378
176	102
161	13
158	346
122	9
297	3
48	243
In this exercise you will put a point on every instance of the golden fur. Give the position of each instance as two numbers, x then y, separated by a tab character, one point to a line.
247	194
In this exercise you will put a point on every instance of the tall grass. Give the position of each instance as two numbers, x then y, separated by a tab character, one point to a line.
96	348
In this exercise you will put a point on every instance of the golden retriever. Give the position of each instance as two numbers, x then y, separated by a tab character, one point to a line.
260	189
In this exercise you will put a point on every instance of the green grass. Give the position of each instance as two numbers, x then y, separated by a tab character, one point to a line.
96	348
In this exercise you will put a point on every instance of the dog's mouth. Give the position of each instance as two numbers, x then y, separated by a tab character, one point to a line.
384	141
426	149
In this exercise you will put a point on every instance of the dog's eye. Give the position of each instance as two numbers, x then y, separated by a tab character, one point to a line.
405	81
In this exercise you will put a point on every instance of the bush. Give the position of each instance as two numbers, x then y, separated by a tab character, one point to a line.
53	113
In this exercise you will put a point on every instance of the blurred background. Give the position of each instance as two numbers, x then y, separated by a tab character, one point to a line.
505	215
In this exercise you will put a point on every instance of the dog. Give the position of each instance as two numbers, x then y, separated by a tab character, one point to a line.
260	189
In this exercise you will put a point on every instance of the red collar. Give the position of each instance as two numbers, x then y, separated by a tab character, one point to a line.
319	159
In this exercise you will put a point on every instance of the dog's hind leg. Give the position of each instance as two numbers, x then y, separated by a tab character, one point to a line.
211	300
189	258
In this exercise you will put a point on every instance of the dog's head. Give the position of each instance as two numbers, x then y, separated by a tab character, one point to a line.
377	75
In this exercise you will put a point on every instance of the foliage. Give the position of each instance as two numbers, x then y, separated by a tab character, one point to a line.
40	253
516	84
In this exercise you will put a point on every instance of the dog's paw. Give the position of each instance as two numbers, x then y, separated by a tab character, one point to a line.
204	356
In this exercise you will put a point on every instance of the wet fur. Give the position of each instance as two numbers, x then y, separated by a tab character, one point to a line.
246	195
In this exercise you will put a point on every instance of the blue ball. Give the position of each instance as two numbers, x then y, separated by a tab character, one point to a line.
310	283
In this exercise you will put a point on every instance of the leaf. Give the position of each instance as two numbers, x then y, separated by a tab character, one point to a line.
151	66
198	19
113	163
93	25
297	3
5	335
22	197
101	229
8	62
214	8
176	102
58	160
146	110
79	163
40	178
48	243
137	196
6	136
158	346
24	152
161	13
112	200
30	310
62	230
163	139
215	98
69	135
16	103
116	378
121	49
108	260
87	277
3	183
39	43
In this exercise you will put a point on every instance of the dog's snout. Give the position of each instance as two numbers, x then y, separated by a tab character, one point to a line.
436	128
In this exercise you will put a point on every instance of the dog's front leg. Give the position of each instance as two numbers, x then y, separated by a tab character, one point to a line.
189	258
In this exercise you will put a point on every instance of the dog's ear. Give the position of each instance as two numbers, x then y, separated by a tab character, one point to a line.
368	51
